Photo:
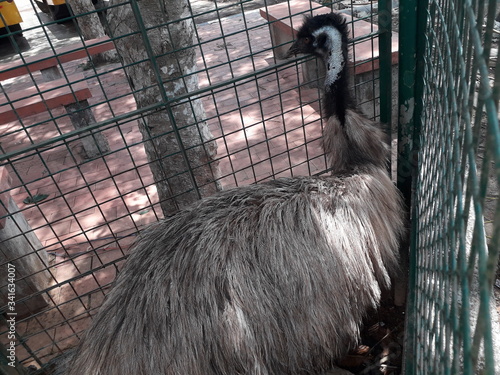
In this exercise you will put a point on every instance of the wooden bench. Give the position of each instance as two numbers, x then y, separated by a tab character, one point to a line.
48	60
71	92
42	97
286	18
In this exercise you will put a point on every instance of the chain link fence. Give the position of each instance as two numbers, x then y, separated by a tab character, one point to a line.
452	325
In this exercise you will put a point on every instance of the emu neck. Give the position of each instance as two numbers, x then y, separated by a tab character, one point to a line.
352	142
337	96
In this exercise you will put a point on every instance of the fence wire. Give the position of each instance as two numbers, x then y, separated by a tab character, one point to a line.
453	321
78	152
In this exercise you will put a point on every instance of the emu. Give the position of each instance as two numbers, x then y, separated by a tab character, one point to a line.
272	278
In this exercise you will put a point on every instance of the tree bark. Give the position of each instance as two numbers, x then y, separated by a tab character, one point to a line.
90	27
180	169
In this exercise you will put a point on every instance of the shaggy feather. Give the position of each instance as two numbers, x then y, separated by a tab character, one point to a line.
265	279
273	278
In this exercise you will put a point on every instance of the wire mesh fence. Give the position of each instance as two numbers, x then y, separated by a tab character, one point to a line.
94	147
452	325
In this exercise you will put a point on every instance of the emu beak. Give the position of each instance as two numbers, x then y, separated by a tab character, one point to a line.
294	49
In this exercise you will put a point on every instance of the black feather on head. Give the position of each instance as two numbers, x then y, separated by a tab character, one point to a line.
337	96
305	37
312	24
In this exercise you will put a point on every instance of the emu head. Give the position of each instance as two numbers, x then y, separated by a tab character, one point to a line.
324	35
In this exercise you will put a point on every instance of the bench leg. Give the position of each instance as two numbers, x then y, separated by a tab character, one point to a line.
81	116
311	70
281	42
51	74
313	73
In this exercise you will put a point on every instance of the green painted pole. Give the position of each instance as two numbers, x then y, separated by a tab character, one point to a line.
406	107
412	25
385	63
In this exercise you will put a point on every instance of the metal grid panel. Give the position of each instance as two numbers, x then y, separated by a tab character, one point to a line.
455	205
76	216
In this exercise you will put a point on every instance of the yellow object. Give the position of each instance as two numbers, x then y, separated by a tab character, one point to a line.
10	14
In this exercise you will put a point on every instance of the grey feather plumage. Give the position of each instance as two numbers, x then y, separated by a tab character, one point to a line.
273	278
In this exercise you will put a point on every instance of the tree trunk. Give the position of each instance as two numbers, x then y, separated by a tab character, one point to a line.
180	169
90	27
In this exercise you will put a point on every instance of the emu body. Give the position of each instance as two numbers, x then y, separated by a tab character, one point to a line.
273	278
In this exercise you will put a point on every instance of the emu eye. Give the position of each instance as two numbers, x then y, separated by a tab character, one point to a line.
307	40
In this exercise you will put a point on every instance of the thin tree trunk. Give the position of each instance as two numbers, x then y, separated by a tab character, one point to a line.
90	27
175	166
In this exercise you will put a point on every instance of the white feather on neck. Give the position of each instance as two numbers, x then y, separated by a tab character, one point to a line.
333	56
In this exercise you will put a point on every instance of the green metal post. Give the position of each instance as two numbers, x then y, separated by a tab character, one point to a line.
406	107
406	101
385	56
412	25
